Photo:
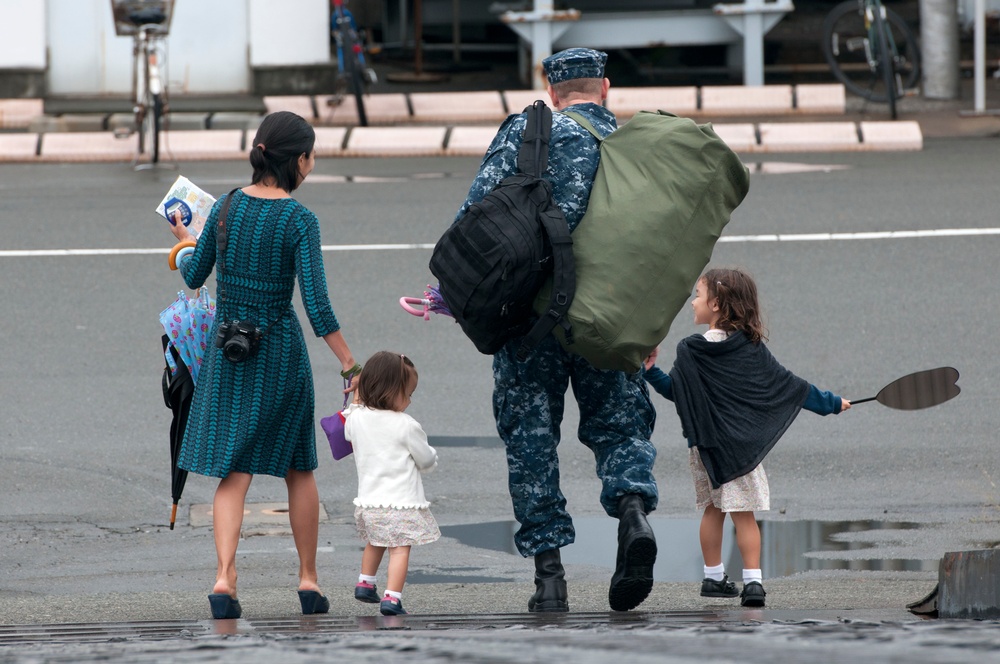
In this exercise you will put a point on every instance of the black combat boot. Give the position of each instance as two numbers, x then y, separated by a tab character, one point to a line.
550	585
633	578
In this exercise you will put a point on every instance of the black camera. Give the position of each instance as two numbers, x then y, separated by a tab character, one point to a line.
238	340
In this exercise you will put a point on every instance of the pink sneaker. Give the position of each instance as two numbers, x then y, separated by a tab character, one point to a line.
391	606
366	592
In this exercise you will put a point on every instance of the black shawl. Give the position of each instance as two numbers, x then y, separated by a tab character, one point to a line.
734	400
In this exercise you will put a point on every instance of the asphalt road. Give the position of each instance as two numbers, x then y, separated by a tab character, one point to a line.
84	483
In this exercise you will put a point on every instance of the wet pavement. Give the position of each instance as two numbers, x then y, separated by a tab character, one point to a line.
863	505
639	637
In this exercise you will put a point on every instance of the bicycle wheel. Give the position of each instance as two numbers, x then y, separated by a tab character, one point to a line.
153	124
884	58
357	83
140	129
149	127
352	66
851	55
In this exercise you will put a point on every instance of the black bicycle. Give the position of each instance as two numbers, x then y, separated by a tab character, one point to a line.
148	23
872	51
353	72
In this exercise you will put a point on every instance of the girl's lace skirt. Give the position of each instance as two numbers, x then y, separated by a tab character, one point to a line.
749	493
391	527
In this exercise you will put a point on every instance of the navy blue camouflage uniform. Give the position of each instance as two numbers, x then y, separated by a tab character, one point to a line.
616	415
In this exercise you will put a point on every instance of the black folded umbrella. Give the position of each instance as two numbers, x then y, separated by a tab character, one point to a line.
178	390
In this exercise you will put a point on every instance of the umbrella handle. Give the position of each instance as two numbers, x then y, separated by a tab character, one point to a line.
205	298
405	302
177	253
857	401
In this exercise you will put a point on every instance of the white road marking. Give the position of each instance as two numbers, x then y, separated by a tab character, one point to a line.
870	235
771	237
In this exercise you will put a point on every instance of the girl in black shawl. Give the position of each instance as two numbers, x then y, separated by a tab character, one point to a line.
735	401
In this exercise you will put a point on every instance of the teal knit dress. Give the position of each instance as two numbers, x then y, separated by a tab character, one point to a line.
257	416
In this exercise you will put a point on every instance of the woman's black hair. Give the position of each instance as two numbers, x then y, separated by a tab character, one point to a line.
281	139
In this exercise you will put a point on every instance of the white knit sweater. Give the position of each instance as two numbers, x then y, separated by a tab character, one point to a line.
390	450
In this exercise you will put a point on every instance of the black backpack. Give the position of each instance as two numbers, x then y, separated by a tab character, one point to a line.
491	263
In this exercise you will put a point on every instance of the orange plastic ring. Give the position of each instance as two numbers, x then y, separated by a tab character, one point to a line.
172	258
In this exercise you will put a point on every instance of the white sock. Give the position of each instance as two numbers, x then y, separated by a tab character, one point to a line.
752	575
394	594
716	573
367	579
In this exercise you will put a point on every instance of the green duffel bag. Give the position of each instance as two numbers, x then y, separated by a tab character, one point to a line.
663	192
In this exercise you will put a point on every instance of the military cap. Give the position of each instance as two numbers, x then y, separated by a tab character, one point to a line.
574	63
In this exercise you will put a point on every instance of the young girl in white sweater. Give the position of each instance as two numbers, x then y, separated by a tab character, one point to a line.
391	450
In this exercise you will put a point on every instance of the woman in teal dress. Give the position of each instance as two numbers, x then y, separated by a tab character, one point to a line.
256	416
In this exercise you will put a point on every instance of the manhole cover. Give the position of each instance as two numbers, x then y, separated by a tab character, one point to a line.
256	515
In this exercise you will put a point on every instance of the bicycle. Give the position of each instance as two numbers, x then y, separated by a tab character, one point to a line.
872	51
352	69
148	22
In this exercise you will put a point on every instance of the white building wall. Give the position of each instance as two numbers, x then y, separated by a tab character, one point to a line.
289	32
211	48
22	34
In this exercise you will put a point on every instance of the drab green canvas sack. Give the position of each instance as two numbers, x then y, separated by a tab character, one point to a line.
664	190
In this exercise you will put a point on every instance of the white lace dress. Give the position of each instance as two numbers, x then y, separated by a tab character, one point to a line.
391	453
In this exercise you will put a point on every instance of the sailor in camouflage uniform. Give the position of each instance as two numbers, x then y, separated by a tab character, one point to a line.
616	416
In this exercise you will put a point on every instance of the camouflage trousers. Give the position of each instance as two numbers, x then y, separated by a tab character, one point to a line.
616	422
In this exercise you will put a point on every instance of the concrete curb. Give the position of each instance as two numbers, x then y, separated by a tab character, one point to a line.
454	124
439	141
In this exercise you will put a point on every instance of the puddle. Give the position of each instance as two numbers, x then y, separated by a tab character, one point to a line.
788	547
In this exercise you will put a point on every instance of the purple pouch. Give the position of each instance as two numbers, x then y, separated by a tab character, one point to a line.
334	428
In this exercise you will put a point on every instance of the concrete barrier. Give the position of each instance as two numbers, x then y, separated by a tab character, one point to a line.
469	141
626	102
518	100
808	136
457	107
200	145
969	585
455	124
731	100
18	113
395	141
381	109
896	136
18	147
739	137
330	141
87	146
820	98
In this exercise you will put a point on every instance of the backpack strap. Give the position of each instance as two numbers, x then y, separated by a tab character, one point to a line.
533	157
563	278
